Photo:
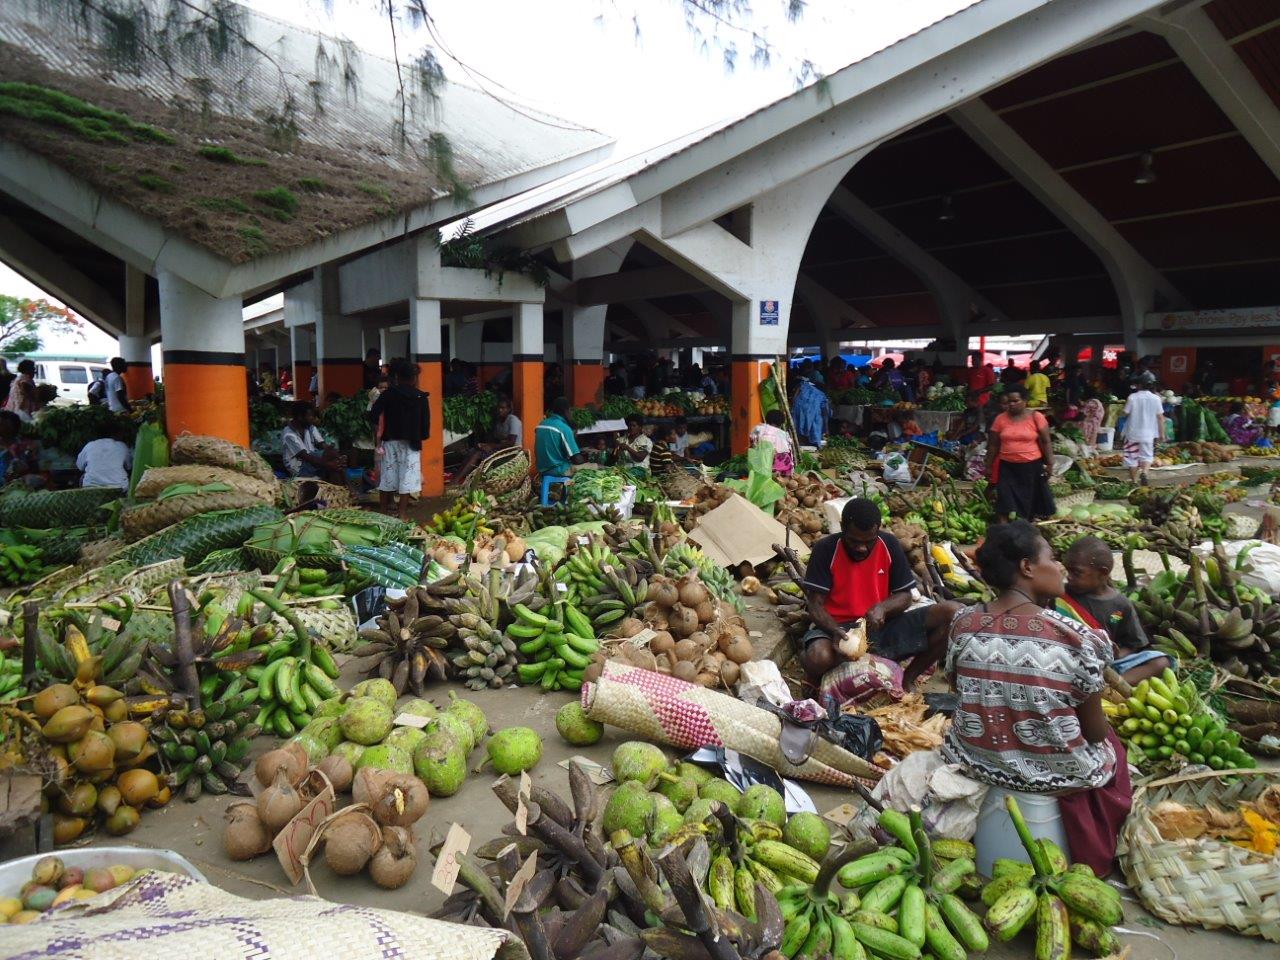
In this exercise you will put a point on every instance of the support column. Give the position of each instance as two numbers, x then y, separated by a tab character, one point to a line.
135	346
206	385
527	353
300	344
339	342
747	371
424	350
584	353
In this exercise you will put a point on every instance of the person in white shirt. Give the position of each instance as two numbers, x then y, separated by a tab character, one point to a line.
507	432
116	390
633	450
1144	423
305	452
105	462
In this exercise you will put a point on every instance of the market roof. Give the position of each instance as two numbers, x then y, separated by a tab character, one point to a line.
287	139
1189	90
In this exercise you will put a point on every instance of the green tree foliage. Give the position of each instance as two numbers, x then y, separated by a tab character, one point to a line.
23	322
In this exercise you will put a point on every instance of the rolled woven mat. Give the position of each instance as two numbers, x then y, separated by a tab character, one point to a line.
165	914
668	710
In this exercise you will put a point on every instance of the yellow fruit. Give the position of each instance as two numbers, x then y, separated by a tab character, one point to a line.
122	873
85	894
9	906
24	916
66	893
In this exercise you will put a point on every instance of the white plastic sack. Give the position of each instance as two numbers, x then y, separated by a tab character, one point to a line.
762	680
1264	557
897	469
949	800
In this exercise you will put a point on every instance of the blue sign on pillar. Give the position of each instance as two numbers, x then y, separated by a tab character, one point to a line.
768	313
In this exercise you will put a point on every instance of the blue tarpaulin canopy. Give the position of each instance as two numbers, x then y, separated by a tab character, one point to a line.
855	360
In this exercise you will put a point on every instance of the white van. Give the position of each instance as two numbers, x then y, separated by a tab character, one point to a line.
71	377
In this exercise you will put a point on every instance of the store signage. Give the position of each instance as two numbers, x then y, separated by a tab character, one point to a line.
1178	363
1242	319
768	313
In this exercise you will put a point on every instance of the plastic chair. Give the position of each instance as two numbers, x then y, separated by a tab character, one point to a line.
547	481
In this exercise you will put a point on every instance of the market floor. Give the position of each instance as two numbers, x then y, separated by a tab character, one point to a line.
195	831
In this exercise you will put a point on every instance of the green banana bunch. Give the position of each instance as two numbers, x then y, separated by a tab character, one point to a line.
205	750
11	687
921	879
559	647
1067	902
464	519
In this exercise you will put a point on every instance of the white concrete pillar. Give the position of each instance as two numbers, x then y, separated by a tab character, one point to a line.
583	334
134	344
527	353
206	385
339	340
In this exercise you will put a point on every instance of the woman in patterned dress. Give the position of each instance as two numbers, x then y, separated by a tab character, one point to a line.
1030	686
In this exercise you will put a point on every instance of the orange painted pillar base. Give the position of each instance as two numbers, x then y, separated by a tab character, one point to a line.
586	381
139	381
1177	366
431	382
486	372
345	377
302	380
206	394
526	389
745	376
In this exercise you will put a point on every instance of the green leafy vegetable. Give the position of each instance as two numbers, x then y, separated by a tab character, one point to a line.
347	420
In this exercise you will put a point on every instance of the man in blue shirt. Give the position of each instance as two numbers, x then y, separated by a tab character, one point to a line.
554	444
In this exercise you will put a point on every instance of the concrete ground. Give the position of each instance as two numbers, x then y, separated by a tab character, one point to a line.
195	831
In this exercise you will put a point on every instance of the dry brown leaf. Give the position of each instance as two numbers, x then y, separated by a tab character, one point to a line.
1176	822
1268	803
1217	819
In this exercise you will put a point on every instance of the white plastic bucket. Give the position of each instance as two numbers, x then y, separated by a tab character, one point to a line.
1106	438
995	836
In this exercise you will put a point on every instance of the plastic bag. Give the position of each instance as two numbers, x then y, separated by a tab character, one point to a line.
762	680
897	470
1263	557
948	799
856	733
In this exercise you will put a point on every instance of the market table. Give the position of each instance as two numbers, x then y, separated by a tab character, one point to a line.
929	421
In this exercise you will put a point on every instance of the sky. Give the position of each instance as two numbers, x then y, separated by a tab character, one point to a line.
630	68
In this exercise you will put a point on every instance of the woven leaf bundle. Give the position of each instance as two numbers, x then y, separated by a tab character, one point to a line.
45	509
195	537
216	452
309	492
158	479
144	519
1207	883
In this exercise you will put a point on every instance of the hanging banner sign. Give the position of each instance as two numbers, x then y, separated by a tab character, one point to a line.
1244	318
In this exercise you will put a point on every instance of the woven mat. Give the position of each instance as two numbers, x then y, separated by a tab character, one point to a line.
163	914
666	709
1207	883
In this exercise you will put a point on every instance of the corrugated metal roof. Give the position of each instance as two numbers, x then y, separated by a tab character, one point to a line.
341	96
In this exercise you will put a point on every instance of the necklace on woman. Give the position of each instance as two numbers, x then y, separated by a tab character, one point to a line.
1026	599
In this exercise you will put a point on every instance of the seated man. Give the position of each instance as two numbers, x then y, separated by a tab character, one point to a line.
305	452
507	431
554	444
862	573
1092	600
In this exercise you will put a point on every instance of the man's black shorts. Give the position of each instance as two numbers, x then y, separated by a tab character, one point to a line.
901	638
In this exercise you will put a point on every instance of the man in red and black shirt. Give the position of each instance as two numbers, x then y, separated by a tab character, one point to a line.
862	573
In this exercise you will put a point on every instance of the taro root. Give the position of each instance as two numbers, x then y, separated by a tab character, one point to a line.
245	835
394	863
692	592
662	593
628	628
662	643
279	803
739	650
349	841
685	670
270	763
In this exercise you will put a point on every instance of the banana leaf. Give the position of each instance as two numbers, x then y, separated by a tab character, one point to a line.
759	487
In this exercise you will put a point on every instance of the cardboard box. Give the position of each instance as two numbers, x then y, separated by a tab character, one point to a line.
738	530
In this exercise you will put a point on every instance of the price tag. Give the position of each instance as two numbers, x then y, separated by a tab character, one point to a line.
519	882
110	623
563	588
584	541
522	800
445	874
598	775
642	638
295	836
411	720
842	815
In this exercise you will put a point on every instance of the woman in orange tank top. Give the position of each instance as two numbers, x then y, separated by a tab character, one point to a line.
1020	460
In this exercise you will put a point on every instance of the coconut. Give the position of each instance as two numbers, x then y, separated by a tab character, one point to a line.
366	785
79	801
692	592
278	803
129	737
339	772
440	763
349	841
402	803
682	620
137	786
686	649
245	836
639	761
577	729
514	750
53	698
378	688
662	643
686	671
367	720
630	808
729	672
124	820
273	761
394	863
92	753
739	650
628	628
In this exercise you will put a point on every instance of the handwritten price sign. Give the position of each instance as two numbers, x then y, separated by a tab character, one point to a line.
445	874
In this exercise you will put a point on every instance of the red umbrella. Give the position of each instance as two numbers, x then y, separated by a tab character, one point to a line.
895	357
